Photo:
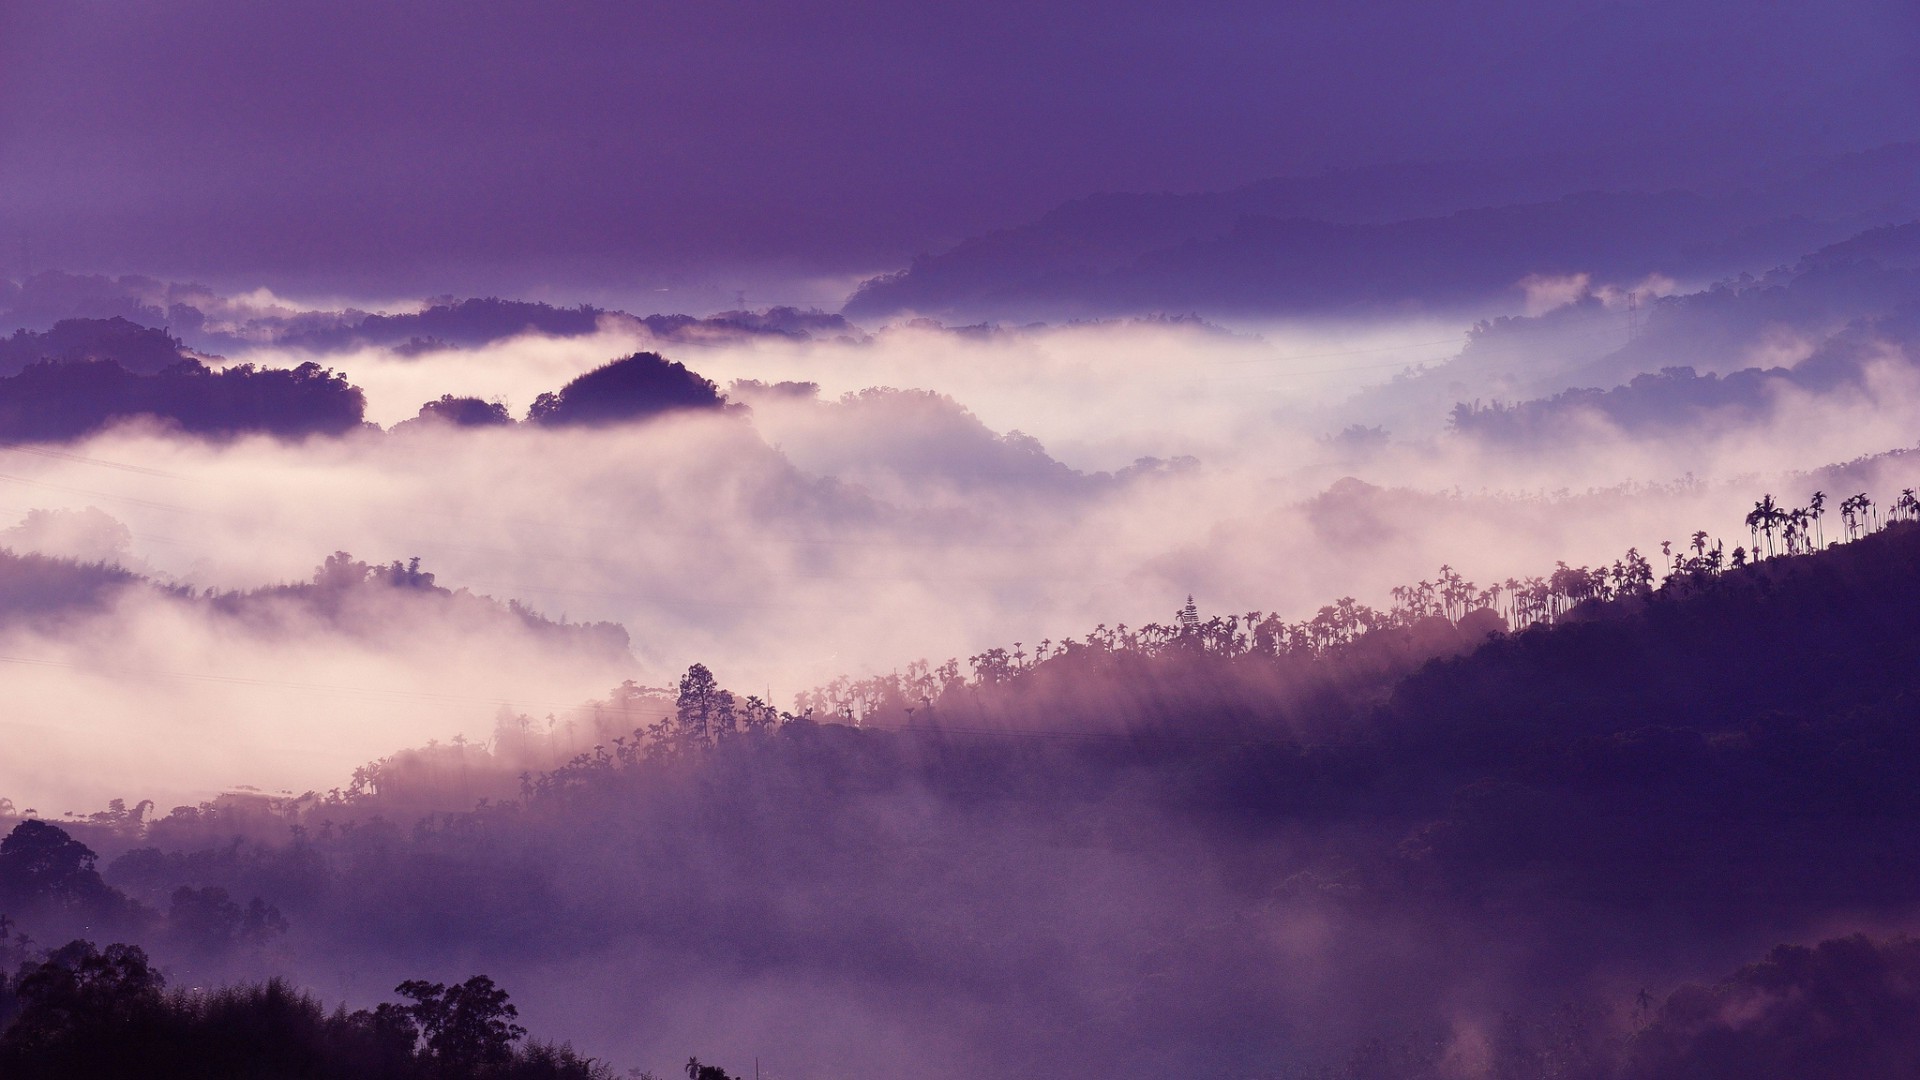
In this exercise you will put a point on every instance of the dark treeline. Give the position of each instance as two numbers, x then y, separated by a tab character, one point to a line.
209	321
626	390
81	1012
139	349
1127	843
1353	645
638	386
36	586
346	592
57	400
450	323
90	386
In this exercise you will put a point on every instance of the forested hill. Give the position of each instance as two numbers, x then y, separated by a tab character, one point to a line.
1657	787
344	594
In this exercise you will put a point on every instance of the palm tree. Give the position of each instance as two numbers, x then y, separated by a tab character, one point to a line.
1765	517
1816	506
1798	521
1858	511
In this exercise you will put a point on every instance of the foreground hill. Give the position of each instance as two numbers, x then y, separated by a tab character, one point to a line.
1196	846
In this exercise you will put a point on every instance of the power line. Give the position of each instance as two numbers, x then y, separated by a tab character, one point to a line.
63	455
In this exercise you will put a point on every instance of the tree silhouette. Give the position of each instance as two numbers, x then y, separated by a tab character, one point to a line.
77	1006
697	1071
1766	517
41	864
636	387
466	1027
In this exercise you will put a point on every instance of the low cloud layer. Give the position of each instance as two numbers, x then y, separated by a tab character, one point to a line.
1018	484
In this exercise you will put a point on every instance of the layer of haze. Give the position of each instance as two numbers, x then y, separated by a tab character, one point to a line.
1019	485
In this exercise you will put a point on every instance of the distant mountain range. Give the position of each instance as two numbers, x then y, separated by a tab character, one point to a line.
1438	237
207	322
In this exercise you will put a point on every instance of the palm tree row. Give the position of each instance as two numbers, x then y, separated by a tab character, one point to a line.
1513	604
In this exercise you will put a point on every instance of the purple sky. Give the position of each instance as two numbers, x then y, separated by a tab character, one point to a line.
370	149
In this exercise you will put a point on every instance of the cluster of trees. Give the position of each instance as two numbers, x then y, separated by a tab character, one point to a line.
49	884
1801	529
348	594
1426	619
343	588
632	388
1656	788
86	374
450	323
1666	774
137	348
81	1012
89	306
35	585
1673	399
56	400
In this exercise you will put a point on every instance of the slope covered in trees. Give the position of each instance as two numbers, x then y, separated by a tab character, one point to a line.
1657	781
632	388
344	594
137	348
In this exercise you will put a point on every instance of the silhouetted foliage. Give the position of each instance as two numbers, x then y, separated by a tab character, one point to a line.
346	593
136	348
460	412
1661	770
697	1071
50	401
85	1013
207	922
461	323
34	585
474	322
642	385
41	866
468	1027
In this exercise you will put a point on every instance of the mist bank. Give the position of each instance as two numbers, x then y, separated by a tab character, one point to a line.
785	536
124	685
792	509
1718	356
1561	826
